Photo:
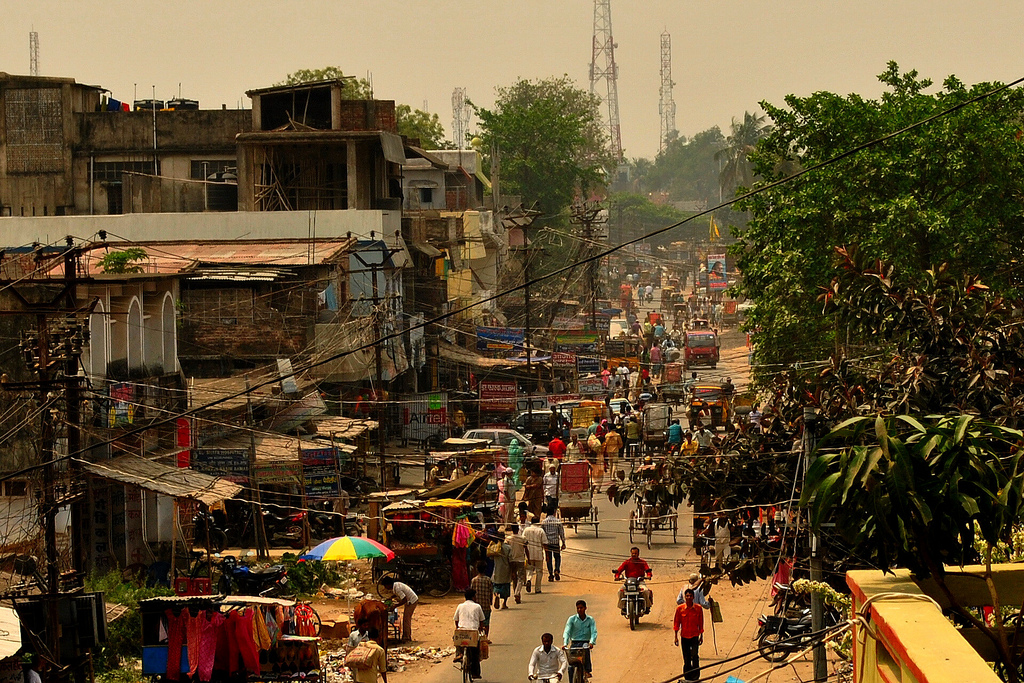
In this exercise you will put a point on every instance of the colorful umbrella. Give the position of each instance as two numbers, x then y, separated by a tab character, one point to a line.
348	548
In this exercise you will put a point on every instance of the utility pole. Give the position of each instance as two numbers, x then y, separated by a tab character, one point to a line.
817	606
374	268
523	219
587	215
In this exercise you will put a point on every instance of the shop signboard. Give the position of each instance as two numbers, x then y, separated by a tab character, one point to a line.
563	359
425	416
615	347
499	338
591	385
599	322
230	463
496	397
588	365
320	471
561	322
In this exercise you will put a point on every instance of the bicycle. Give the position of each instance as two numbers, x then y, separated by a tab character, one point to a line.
432	577
577	657
470	657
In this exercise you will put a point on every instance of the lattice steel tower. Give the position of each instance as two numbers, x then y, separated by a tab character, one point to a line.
460	117
667	104
33	53
602	67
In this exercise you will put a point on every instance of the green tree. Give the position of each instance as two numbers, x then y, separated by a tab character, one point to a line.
550	141
124	261
686	169
354	88
946	192
736	169
421	125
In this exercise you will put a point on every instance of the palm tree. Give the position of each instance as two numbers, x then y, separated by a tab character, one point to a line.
736	171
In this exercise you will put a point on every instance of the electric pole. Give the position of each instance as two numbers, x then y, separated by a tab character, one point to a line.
523	219
817	606
587	215
373	268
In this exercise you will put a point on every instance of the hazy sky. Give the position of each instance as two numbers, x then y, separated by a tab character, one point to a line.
727	55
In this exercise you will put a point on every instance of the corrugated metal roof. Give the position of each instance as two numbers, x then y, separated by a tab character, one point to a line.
344	427
177	482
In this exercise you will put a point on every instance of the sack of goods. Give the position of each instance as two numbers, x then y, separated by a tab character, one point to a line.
466	637
360	658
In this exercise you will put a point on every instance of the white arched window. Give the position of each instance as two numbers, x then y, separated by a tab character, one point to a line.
135	357
169	337
98	335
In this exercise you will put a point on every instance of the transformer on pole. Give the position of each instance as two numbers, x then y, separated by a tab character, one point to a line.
666	103
602	67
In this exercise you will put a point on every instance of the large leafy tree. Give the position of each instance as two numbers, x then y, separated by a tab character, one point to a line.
420	125
686	170
354	89
737	171
946	192
549	139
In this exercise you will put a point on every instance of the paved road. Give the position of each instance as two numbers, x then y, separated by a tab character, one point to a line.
621	655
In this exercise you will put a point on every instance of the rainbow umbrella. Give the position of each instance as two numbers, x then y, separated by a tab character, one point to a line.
348	548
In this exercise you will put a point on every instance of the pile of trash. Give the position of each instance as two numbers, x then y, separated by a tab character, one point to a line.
399	656
333	667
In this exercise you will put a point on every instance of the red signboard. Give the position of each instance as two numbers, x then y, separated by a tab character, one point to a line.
563	359
497	396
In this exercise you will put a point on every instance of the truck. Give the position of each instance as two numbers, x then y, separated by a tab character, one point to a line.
700	347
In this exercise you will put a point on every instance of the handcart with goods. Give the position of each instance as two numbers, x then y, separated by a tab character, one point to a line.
575	496
650	517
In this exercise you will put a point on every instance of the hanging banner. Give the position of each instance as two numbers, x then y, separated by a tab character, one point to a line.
320	471
591	385
716	272
499	338
122	404
588	365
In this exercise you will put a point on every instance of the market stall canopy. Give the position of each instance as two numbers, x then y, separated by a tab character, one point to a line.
455	353
446	503
460	444
461	488
344	427
178	482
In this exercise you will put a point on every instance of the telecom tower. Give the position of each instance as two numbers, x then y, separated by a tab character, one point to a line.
460	117
666	105
33	53
602	66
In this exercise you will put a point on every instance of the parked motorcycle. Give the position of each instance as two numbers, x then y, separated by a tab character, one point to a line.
779	636
633	595
243	580
284	529
208	533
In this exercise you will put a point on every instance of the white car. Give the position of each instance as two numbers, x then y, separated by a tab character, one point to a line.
503	437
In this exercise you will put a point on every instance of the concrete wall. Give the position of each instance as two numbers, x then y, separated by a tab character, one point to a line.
212	226
196	132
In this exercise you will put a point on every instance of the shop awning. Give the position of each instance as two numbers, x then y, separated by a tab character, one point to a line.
451	352
461	488
10	632
178	482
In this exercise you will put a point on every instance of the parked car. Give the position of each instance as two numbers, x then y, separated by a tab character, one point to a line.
501	438
533	425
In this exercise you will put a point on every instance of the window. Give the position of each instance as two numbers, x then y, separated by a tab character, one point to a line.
16	487
110	171
426	195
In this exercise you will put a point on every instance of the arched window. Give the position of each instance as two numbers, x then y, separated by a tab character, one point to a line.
135	357
169	334
98	336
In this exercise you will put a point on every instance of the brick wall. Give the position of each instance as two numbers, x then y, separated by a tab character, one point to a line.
354	115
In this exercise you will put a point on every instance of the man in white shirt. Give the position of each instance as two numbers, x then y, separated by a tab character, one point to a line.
704	439
469	616
547	660
535	540
551	487
407	600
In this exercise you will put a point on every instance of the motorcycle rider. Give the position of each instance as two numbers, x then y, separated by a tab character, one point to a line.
547	660
635	568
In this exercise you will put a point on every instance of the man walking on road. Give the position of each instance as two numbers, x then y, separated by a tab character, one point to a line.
554	544
517	561
688	627
535	538
483	587
551	488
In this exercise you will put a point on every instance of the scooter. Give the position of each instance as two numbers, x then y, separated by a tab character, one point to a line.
265	581
633	595
780	636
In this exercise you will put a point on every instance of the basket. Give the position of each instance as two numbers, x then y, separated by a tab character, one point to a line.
575	656
466	637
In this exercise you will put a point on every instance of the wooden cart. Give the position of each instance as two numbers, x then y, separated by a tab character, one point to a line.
648	518
575	496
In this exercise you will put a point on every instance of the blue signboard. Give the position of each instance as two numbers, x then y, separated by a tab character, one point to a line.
588	365
499	338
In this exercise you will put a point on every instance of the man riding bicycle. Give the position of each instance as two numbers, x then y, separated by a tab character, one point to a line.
547	662
635	568
580	633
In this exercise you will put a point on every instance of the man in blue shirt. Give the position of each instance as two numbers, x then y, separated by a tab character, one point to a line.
580	632
675	434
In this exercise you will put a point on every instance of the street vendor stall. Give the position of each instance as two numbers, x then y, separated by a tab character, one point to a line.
216	637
